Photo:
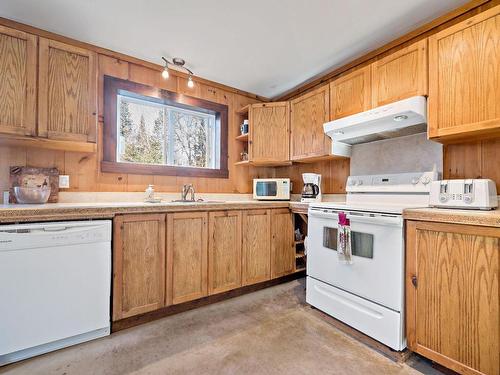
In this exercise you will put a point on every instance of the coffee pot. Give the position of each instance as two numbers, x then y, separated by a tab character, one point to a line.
311	192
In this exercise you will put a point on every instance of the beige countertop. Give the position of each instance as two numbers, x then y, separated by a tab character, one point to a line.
103	210
446	215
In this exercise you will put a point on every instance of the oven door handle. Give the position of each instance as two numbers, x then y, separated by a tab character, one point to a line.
378	219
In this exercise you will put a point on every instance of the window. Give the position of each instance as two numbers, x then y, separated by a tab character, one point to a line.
152	131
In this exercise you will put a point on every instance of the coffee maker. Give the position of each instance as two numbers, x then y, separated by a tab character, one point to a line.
311	192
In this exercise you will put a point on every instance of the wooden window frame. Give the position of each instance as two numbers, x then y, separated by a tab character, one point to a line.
112	88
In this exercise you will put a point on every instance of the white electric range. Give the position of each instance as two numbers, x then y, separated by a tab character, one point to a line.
369	293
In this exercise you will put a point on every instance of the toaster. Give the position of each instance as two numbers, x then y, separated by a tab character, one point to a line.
473	194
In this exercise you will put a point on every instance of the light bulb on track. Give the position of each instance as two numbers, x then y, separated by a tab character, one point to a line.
190	82
165	73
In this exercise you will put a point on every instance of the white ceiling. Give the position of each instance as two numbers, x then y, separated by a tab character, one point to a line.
263	46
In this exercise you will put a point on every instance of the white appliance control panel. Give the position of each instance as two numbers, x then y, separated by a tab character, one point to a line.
478	194
418	182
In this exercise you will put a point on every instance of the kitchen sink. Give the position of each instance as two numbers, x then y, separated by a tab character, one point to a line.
199	201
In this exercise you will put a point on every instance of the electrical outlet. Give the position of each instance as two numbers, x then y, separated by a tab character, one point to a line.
63	182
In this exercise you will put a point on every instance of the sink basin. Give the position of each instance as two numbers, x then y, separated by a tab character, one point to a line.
199	201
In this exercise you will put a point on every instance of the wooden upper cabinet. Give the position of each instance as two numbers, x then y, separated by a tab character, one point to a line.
17	82
138	264
464	75
224	251
452	289
308	114
400	75
269	137
256	259
282	243
67	95
351	93
187	256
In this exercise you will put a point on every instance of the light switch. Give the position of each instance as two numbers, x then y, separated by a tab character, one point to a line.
63	182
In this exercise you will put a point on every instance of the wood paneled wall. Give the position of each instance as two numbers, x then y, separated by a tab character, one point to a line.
84	169
333	173
478	159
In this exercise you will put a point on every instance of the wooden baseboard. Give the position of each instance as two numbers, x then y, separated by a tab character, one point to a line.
393	355
175	309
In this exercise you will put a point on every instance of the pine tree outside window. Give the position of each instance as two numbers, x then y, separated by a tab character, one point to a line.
153	133
148	130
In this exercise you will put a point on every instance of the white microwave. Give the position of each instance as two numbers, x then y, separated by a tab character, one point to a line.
274	189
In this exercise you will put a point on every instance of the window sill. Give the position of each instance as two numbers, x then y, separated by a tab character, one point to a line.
162	170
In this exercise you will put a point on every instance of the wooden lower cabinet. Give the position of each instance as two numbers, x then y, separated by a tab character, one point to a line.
256	255
224	251
282	243
187	256
138	264
167	259
452	286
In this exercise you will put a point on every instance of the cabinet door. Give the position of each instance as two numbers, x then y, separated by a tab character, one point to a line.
67	95
308	114
453	296
138	264
282	243
269	132
351	93
187	256
256	262
400	75
464	75
224	251
18	82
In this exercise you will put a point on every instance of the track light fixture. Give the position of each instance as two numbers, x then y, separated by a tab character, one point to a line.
178	64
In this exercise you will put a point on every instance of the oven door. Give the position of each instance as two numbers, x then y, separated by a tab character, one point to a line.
377	270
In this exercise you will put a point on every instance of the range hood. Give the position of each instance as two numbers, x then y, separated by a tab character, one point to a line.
405	117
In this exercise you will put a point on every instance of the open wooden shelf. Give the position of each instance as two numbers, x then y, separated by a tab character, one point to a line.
300	269
299	242
299	255
314	159
242	137
244	110
243	162
264	163
48	144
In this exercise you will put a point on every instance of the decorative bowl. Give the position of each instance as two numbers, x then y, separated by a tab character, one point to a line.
30	195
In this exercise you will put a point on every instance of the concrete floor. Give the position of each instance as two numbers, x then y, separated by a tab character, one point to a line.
271	331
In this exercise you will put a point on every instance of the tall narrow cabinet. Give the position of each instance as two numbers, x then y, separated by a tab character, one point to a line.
138	264
224	251
187	256
308	114
256	255
282	243
269	133
67	95
452	295
18	64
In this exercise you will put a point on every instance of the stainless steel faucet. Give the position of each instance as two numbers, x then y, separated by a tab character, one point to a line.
185	191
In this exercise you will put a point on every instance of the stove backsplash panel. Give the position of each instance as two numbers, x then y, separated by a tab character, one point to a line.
414	153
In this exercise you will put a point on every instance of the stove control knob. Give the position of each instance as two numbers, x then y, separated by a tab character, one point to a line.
425	180
351	182
360	182
414	180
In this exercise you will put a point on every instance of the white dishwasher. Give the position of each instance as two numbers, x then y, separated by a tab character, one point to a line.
55	286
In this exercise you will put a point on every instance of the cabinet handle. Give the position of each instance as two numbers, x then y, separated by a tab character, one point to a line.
414	281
